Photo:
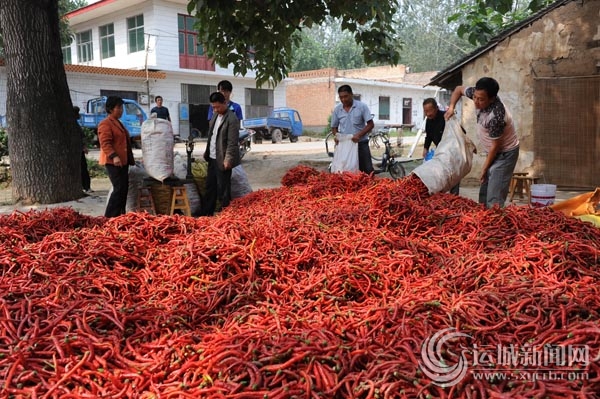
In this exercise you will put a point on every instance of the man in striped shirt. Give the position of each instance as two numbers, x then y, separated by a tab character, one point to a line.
497	136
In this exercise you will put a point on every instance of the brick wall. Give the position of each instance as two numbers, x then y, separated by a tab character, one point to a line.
314	100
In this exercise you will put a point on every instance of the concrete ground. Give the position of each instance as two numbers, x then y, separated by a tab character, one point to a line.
259	163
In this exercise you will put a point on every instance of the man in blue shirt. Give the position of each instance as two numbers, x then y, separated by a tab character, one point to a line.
225	87
160	111
354	117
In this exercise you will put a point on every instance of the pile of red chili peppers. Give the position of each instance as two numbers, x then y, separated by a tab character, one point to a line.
325	288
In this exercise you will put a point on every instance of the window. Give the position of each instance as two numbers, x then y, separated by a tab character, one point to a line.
259	102
66	51
188	37
85	49
135	33
407	111
107	41
191	52
384	108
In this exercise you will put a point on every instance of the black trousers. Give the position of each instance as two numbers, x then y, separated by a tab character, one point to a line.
365	163
119	177
85	175
218	187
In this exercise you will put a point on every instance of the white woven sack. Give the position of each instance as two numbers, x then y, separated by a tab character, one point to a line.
157	148
451	161
345	156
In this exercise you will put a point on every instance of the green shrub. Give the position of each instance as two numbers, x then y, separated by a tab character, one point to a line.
327	128
95	169
89	137
3	142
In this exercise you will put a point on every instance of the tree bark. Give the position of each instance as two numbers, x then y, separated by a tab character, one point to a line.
43	138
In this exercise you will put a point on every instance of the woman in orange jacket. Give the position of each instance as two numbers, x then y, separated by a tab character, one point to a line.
116	155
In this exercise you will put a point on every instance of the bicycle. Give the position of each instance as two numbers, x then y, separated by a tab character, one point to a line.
376	143
388	157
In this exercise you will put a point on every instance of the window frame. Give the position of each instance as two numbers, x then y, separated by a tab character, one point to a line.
135	31
84	48
186	32
67	54
384	117
109	38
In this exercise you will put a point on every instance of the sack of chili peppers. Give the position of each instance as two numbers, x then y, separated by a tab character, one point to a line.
451	161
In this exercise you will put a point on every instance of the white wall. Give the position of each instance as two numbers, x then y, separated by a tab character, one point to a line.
162	35
160	22
122	59
370	91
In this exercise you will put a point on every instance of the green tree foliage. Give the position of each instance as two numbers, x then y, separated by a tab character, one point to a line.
64	7
429	42
260	35
309	53
481	20
326	46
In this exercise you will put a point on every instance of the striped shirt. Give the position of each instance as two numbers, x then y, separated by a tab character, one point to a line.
495	123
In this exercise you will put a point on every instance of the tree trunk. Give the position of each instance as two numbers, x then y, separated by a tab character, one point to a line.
43	138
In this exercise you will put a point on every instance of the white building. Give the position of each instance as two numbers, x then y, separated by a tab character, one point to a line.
393	95
138	49
156	39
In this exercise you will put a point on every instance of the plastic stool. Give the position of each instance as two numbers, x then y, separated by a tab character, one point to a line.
180	201
145	201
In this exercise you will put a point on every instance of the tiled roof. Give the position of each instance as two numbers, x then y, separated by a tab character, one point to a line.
134	73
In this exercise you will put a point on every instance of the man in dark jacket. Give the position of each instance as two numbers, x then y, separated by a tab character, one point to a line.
222	154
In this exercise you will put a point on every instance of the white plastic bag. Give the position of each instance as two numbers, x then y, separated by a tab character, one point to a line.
180	165
157	148
345	156
137	174
451	161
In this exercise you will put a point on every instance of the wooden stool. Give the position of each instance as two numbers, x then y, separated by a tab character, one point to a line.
145	201
521	182
180	201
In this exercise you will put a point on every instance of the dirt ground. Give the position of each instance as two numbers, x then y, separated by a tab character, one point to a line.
265	165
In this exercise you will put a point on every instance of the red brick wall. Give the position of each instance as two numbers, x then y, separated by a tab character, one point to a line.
314	101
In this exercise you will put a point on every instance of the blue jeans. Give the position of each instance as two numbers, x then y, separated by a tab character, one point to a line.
495	189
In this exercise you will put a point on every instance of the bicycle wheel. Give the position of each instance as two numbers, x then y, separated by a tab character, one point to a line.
377	147
396	170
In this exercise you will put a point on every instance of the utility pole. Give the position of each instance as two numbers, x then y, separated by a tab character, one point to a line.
148	35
